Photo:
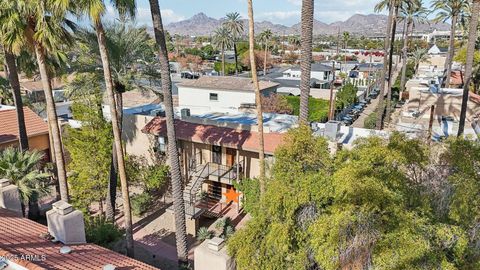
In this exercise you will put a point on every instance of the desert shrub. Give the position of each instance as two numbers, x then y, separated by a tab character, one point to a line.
141	203
101	232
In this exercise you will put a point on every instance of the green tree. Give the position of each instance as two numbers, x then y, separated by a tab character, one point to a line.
449	10
22	168
90	147
95	9
265	37
41	27
346	96
470	55
222	40
234	24
373	207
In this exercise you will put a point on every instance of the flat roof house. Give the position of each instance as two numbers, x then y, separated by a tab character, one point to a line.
37	130
220	94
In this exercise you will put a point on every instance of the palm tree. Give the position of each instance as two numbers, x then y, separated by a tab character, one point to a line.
419	55
95	9
22	169
41	26
449	10
175	173
222	40
472	38
306	58
346	37
294	41
258	98
265	37
386	48
126	45
17	97
234	25
411	12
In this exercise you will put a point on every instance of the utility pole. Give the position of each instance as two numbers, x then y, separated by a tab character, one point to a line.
430	124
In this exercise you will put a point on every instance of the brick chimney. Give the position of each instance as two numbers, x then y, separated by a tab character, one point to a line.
66	224
10	197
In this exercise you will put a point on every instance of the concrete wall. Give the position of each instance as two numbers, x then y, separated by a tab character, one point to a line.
136	142
198	100
40	143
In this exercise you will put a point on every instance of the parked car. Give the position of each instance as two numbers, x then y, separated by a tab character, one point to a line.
189	75
411	113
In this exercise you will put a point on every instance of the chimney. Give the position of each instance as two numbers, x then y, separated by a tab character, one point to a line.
10	197
216	243
332	130
66	224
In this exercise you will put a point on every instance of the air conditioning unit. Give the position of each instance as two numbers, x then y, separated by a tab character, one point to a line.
184	113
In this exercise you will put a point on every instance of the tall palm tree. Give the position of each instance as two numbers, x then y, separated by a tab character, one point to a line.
222	40
126	45
258	97
175	172
265	37
17	97
294	41
410	12
449	10
386	48
346	37
21	167
419	55
472	38
95	10
42	27
306	58
234	25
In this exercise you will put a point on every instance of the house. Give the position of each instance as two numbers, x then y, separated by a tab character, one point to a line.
220	94
34	90
215	151
25	244
366	70
37	130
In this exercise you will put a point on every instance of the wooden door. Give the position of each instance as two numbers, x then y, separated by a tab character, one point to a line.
231	153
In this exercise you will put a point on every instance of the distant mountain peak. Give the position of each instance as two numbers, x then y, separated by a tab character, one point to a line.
362	24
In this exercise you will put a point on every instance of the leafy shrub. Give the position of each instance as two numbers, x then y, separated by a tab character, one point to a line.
203	234
371	121
101	232
141	203
318	108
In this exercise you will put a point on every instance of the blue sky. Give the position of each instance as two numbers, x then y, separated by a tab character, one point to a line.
286	12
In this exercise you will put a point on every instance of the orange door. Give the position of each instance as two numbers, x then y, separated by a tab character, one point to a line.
231	153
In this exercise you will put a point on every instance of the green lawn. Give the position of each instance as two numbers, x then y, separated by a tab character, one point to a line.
318	108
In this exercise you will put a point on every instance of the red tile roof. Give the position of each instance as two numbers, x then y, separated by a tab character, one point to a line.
208	134
21	236
9	126
456	78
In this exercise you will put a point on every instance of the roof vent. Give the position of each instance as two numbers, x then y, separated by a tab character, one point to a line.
66	224
216	243
65	250
109	267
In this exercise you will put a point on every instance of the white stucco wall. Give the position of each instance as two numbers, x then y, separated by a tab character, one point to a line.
198	100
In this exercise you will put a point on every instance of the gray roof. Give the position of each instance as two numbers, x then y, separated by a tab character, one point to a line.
316	67
226	83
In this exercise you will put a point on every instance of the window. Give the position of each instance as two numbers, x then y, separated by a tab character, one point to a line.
213	97
162	145
216	154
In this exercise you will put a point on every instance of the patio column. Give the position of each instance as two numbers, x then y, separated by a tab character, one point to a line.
238	165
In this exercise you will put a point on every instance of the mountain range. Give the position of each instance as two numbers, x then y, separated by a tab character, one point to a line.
372	24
